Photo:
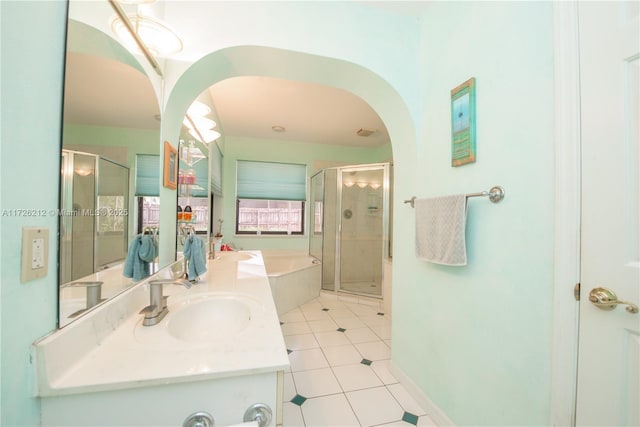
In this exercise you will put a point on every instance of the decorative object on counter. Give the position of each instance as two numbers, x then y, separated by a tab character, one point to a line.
463	123
187	215
170	175
141	252
180	214
195	254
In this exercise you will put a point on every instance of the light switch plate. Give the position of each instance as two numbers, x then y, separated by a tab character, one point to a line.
35	253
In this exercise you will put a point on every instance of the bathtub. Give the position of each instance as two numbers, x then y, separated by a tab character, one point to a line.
294	277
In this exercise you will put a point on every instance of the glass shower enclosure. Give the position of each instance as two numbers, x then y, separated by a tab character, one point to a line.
350	226
94	214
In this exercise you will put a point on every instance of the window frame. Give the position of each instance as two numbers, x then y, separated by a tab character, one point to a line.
266	232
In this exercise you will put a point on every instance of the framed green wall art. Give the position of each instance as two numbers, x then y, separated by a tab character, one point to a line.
463	123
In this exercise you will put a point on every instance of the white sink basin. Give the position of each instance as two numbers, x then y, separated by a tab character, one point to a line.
209	318
234	256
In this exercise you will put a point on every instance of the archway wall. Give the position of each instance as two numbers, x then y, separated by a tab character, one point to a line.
363	50
477	339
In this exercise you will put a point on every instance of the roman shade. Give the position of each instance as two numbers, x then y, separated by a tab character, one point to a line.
147	175
271	181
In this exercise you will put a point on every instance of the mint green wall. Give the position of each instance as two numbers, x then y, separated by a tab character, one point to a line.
237	148
32	63
477	339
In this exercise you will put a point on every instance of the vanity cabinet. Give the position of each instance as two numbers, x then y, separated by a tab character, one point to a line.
226	399
219	349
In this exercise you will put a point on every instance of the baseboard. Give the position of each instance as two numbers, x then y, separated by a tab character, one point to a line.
433	411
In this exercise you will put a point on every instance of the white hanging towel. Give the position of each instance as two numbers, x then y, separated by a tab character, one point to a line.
440	229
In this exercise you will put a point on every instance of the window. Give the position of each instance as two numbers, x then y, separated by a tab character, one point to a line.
270	198
270	217
147	190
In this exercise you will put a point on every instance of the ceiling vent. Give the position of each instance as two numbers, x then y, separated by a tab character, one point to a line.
365	132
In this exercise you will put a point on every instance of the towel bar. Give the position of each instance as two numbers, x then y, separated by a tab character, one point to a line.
496	194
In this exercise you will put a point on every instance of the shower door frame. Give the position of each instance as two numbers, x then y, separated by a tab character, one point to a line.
385	167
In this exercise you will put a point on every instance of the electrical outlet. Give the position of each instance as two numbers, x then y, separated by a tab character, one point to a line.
35	253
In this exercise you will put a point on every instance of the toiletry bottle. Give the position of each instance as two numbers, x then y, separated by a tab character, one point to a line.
187	215
180	214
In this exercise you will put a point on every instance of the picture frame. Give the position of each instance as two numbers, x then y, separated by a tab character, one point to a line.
170	169
463	123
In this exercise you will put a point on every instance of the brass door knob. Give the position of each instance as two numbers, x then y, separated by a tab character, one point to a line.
606	299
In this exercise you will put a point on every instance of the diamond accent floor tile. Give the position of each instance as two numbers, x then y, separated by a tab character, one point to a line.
298	400
366	362
410	418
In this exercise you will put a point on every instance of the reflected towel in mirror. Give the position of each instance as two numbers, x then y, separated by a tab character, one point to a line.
142	251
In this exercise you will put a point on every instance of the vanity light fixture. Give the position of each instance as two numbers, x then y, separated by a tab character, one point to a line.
160	40
374	185
127	27
362	184
349	184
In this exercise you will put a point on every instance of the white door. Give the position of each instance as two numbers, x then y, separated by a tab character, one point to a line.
609	341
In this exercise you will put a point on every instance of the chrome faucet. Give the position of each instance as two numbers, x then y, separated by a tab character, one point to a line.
157	308
94	295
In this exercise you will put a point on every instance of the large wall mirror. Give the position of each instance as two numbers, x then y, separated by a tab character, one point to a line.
110	165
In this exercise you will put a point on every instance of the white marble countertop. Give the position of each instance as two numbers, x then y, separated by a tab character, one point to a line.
109	349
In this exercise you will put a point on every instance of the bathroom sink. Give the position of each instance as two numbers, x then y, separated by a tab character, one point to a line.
209	318
234	256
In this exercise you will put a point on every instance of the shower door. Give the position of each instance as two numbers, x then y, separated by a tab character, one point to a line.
94	216
363	230
77	224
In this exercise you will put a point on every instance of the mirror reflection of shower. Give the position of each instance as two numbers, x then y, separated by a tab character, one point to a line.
95	200
350	227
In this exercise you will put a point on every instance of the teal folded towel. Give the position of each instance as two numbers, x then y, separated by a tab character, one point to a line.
195	253
141	252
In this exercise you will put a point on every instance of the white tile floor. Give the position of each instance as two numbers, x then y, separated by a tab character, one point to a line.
339	352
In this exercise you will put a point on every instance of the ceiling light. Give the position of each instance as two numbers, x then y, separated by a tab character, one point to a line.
204	123
160	40
83	172
210	135
198	109
365	132
277	128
